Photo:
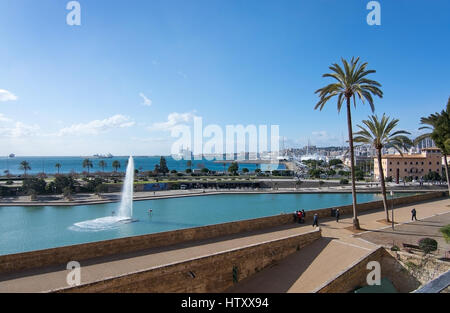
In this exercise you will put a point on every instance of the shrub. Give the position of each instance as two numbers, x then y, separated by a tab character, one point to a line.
428	245
446	233
343	181
395	248
9	182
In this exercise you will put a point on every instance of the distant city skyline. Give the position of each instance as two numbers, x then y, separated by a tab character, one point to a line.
130	73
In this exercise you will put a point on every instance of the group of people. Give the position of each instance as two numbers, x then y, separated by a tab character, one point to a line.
299	216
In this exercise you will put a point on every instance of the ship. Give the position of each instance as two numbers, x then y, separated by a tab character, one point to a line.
12	155
103	156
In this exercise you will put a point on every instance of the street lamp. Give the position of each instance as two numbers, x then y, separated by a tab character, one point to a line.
392	208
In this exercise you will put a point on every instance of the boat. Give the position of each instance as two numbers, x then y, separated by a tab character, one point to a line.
103	156
12	155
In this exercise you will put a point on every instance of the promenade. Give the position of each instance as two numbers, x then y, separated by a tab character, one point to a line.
304	271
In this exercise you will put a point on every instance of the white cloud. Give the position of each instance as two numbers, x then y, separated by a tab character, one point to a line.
98	126
18	130
147	101
5	95
4	119
174	119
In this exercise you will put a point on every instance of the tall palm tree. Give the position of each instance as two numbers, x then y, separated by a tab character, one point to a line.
380	134
102	164
58	166
439	126
350	82
24	166
116	165
87	164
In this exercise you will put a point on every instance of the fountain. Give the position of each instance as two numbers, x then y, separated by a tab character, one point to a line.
126	205
125	213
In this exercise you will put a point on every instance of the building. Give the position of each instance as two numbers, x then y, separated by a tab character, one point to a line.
410	165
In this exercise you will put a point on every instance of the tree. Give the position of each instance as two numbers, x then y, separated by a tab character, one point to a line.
163	166
116	165
102	164
87	164
335	162
24	166
350	82
205	170
58	166
245	170
36	185
380	133
233	168
439	125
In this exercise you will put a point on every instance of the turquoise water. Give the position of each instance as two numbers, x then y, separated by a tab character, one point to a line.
142	163
34	228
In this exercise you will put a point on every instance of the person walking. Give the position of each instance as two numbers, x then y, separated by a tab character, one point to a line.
316	220
414	214
338	215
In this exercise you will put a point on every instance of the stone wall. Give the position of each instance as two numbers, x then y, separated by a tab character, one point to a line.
356	275
62	255
212	273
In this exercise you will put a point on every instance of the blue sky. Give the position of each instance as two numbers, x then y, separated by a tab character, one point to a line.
76	90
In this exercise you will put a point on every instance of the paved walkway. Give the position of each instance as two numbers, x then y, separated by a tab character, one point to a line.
311	267
97	269
304	271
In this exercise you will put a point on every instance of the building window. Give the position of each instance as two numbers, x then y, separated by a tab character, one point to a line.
406	163
429	163
422	163
390	170
417	163
437	163
410	163
390	163
398	163
429	170
406	170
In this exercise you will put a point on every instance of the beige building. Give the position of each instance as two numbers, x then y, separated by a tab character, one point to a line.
410	165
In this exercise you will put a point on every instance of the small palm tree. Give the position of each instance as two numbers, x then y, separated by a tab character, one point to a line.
116	165
87	164
24	166
350	82
102	164
380	134
58	166
439	125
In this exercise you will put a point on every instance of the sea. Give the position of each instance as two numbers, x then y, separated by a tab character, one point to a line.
69	164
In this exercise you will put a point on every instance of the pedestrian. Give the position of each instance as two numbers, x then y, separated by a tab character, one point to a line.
338	214
414	214
300	216
295	215
316	220
303	213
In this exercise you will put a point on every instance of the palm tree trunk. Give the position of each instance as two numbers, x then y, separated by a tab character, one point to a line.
352	165
383	184
446	173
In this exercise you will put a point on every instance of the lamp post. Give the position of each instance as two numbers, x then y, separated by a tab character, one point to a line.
392	208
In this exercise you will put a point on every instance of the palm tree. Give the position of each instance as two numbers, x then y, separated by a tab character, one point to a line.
58	166
24	166
351	82
379	134
102	164
87	164
116	165
439	125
